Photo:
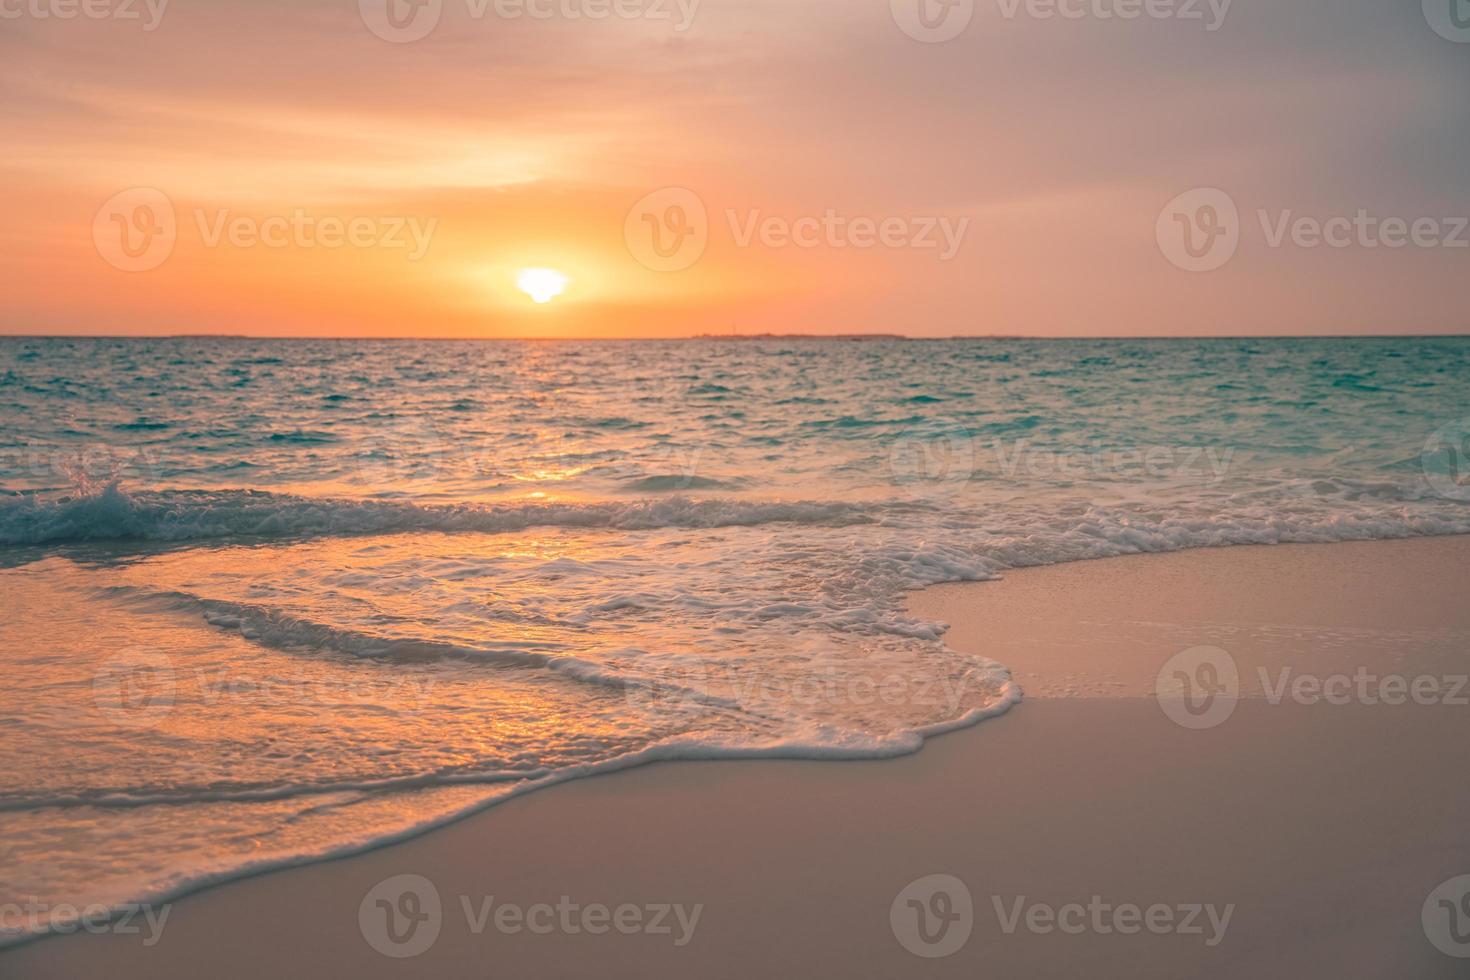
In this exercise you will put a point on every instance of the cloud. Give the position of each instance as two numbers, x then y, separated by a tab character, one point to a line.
1058	138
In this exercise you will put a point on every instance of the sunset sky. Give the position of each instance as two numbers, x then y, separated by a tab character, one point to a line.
1046	147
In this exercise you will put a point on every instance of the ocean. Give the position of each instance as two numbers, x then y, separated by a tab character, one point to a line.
264	602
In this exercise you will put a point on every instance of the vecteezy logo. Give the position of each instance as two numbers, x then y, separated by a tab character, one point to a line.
932	21
668	230
401	21
135	689
677	693
941	450
1199	230
1446	460
1449	18
135	230
933	916
1446	917
1199	687
400	916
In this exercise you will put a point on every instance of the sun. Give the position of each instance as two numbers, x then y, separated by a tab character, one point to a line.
542	285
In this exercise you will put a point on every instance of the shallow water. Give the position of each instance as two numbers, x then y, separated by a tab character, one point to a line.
266	601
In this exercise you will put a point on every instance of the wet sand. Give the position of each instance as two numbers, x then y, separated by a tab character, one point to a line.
1321	827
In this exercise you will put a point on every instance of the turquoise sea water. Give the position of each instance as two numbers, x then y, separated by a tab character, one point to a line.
266	601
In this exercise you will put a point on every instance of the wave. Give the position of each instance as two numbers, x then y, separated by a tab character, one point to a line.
671	482
284	631
118	799
112	514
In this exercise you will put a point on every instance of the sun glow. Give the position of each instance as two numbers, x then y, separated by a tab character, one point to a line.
542	285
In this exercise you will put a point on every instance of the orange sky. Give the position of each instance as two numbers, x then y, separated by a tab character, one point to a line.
277	168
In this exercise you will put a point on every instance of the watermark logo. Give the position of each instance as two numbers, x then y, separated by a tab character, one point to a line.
567	917
1449	18
1199	688
1199	231
1362	229
933	916
1193	464
667	230
135	230
401	21
301	229
943	451
1364	686
132	919
1101	917
401	916
135	689
404	21
681	689
834	230
679	13
1210	13
1446	460
658	468
671	692
1446	917
410	450
148	12
932	21
936	21
91	468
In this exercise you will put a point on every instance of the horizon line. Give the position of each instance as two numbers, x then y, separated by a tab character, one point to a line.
850	337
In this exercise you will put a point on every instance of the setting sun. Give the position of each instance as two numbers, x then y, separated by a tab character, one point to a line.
542	285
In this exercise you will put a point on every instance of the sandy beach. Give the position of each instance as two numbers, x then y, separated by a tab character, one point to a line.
548	489
1289	839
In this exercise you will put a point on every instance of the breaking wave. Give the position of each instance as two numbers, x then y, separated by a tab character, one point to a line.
114	514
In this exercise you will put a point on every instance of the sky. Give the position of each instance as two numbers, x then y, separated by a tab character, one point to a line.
679	167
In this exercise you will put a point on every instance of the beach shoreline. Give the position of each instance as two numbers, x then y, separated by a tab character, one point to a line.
1288	812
